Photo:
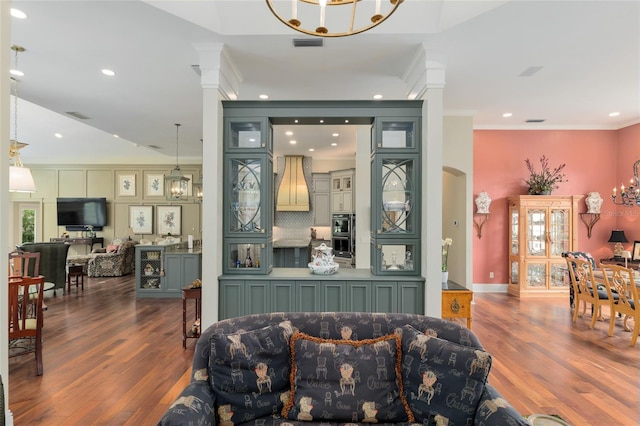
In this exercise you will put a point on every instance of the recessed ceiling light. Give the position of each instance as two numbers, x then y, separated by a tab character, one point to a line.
321	121
252	139
295	121
108	72
346	121
377	96
334	144
614	114
58	135
507	114
116	136
17	73
288	133
335	135
293	142
17	13
264	96
311	149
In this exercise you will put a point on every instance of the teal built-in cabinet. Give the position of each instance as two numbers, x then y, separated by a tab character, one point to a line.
162	271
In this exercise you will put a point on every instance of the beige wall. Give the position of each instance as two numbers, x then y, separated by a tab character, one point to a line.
102	181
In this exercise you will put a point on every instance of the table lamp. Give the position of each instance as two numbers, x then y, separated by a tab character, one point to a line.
618	237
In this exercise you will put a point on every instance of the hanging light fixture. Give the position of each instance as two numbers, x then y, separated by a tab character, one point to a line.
354	17
20	178
629	196
197	190
176	183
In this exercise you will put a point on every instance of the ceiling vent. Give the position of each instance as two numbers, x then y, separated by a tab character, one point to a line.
78	115
529	71
308	42
196	69
154	146
536	120
293	195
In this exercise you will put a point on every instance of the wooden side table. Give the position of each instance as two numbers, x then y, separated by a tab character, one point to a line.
196	295
456	302
75	271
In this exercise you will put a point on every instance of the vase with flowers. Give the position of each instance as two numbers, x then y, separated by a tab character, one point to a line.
446	243
545	181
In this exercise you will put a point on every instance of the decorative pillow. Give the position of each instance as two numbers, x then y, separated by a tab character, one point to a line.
113	248
443	380
346	380
249	372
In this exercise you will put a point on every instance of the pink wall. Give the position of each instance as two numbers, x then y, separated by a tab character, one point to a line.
595	161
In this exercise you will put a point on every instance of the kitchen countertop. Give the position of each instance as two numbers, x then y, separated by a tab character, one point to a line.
291	243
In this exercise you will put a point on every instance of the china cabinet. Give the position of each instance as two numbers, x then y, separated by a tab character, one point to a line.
541	228
342	191
163	270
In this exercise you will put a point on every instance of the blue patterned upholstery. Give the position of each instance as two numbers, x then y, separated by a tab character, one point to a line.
200	404
114	264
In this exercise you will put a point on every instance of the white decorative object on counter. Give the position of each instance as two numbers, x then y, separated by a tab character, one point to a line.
322	261
483	201
594	202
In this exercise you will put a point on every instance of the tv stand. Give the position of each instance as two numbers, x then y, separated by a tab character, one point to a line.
85	241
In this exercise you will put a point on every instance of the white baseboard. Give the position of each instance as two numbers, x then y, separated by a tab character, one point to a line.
490	288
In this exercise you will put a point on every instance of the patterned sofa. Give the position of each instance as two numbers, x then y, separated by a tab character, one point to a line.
118	262
336	368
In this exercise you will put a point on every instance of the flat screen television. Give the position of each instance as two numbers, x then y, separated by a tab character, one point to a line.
77	214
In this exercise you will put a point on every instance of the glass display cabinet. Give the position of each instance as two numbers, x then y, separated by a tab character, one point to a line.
247	135
541	228
395	169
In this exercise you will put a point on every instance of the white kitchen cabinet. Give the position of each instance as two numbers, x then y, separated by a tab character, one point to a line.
342	191
321	199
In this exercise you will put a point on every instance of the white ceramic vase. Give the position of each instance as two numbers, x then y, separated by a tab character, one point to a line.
445	278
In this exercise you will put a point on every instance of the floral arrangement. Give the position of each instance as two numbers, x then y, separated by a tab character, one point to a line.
446	243
546	180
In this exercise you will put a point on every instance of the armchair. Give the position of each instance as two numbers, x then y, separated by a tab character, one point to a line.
53	260
113	264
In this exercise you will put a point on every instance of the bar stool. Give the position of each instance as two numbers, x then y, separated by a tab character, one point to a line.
75	271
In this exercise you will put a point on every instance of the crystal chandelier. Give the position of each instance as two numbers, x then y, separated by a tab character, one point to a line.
324	18
20	178
629	196
176	183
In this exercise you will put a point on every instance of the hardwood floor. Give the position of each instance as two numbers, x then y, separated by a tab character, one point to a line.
110	359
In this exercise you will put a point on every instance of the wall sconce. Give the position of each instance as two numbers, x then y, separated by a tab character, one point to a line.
618	237
483	201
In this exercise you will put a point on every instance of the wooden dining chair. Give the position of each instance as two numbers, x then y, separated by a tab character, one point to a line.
623	294
24	264
585	289
26	317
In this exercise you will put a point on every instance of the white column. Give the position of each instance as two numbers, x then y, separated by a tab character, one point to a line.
219	80
5	89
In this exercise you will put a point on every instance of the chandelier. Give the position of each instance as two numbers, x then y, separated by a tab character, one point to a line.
324	18
176	182
629	196
20	178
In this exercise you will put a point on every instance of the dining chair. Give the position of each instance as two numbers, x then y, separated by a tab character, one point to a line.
585	289
24	264
623	293
26	317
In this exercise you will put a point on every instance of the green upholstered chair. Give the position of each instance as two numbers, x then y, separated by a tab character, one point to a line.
53	261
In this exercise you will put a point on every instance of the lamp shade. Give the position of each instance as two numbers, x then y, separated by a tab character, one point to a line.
20	180
618	236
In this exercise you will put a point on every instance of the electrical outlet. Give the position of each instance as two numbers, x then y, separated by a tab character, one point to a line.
490	274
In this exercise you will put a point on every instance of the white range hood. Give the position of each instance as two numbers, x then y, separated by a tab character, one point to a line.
293	194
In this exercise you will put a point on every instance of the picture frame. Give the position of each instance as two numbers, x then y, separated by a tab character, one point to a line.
155	185
141	219
635	255
169	220
127	185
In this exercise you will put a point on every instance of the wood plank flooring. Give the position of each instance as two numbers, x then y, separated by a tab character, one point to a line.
110	359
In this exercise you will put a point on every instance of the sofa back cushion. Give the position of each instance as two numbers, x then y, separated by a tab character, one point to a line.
249	372
346	380
443	380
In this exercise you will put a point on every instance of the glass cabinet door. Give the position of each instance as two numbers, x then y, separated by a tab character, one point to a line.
395	134
559	231
245	196
396	203
246	135
537	235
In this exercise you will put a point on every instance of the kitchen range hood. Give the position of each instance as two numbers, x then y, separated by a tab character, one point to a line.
293	195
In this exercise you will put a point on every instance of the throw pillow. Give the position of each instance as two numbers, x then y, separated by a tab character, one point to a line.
346	380
113	248
443	380
249	372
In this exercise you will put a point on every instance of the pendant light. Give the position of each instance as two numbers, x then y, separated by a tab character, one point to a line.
20	178
176	183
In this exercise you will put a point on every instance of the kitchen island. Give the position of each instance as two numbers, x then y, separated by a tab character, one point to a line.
298	290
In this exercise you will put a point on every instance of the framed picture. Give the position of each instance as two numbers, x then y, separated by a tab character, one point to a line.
635	256
155	185
141	219
126	185
169	220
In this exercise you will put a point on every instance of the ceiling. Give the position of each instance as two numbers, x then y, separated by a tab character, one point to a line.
569	63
